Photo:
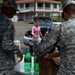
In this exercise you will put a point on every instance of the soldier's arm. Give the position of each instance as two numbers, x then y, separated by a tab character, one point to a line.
47	43
8	40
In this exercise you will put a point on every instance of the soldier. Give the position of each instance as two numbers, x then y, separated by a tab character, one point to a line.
7	46
63	36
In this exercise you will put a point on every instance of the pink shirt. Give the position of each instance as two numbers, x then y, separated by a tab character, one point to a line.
36	32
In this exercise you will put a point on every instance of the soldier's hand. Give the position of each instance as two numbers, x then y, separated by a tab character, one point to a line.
20	55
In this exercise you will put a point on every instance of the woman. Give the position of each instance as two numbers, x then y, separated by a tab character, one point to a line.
36	33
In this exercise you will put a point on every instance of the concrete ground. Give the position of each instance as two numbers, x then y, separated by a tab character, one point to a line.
20	29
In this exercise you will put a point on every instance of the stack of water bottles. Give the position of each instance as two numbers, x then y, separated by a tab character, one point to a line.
30	64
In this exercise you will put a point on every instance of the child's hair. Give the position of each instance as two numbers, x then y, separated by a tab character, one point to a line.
37	20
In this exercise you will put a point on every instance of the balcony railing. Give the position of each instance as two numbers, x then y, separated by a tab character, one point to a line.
38	8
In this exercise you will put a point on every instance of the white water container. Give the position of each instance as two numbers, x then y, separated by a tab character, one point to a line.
20	66
17	43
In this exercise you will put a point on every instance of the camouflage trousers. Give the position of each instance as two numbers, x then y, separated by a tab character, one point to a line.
7	72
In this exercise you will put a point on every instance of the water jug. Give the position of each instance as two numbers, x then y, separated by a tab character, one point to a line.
27	62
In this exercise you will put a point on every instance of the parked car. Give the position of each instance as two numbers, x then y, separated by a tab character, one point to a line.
44	25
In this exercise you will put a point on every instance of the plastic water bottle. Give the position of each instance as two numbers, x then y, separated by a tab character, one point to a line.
36	65
32	65
27	62
19	67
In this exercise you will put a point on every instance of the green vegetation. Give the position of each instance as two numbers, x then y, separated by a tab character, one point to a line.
1	3
30	22
58	19
62	1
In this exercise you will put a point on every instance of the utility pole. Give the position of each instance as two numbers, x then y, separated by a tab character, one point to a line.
34	8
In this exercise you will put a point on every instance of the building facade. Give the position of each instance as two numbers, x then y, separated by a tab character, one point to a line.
30	8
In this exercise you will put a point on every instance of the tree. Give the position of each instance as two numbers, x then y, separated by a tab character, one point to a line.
0	3
62	0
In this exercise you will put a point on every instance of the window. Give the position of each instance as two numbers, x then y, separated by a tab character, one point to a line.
40	4
27	5
47	5
55	6
47	14
40	14
21	5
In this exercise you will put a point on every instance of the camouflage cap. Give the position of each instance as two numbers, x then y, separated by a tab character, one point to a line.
10	3
68	2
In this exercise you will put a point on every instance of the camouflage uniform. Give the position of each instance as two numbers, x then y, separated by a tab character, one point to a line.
62	36
8	72
7	46
66	35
